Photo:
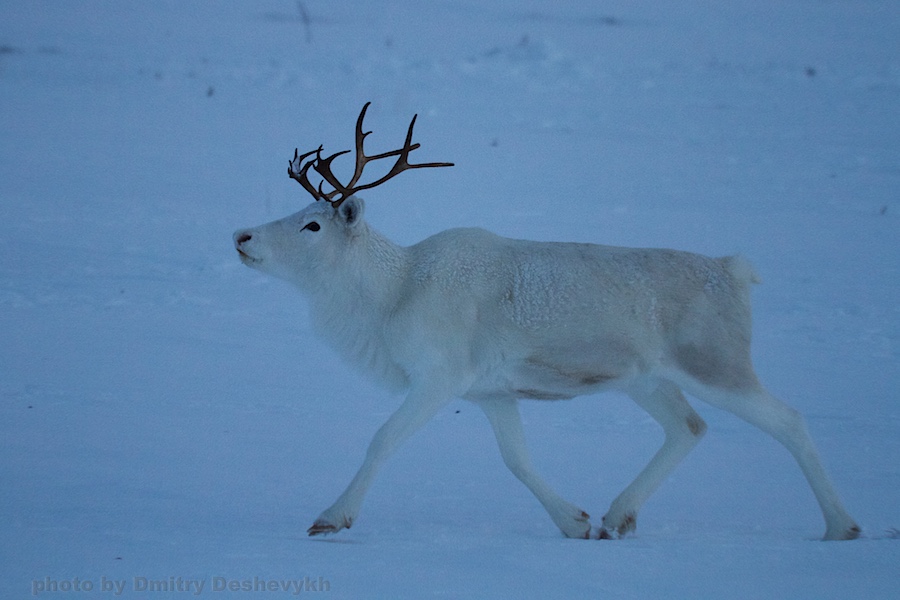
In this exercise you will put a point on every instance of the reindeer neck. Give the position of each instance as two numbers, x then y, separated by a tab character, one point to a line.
375	268
349	315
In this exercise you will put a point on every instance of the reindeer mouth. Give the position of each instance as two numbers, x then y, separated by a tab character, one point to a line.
246	258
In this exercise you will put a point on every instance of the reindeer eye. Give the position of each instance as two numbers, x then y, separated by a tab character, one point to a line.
312	226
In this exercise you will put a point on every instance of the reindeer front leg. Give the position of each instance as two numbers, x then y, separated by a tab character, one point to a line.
507	424
420	405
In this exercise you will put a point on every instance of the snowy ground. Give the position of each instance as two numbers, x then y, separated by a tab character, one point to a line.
165	412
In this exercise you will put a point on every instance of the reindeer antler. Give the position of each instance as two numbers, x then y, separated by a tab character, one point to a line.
299	170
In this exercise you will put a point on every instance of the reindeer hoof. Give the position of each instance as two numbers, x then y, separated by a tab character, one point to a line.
851	532
576	525
321	528
616	531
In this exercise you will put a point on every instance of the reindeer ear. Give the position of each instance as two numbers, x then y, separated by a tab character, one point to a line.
351	211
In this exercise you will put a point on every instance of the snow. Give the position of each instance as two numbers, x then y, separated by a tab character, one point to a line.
167	413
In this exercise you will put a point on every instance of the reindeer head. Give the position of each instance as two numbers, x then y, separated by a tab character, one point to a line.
322	234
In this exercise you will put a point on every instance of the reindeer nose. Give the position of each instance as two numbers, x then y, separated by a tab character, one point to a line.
240	237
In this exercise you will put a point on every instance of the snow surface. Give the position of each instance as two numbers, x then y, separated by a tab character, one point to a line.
167	414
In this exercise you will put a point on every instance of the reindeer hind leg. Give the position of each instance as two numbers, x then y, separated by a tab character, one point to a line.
757	406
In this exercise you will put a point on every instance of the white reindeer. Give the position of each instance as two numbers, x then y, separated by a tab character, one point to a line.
466	313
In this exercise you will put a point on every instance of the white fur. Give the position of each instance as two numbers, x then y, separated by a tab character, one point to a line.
466	313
